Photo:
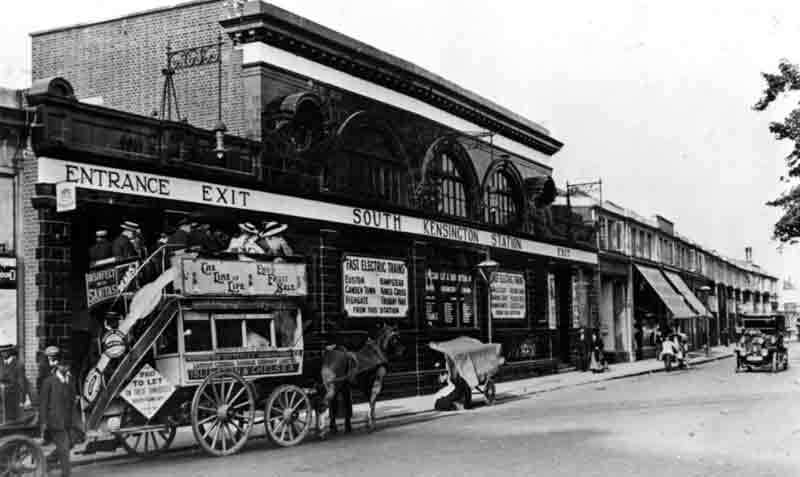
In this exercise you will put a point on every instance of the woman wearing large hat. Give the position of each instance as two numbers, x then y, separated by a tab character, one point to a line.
271	240
245	242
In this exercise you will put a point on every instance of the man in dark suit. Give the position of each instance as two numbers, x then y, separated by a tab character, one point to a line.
181	235
56	402
101	248
122	246
12	375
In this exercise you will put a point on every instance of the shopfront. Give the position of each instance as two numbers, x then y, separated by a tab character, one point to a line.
367	266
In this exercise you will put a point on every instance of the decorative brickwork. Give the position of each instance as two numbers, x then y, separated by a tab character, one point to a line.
121	61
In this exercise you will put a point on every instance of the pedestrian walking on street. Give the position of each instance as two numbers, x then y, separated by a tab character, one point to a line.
56	406
584	348
598	362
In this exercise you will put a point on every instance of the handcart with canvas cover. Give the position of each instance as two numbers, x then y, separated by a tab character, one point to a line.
474	361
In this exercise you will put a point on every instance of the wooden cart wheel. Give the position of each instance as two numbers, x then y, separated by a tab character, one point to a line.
21	456
147	443
288	415
223	410
490	392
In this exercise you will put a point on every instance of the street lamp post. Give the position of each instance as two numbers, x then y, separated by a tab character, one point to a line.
705	289
487	268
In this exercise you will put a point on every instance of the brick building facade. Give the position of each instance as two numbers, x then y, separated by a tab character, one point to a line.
313	115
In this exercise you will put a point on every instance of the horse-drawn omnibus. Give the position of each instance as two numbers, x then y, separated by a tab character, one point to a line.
215	343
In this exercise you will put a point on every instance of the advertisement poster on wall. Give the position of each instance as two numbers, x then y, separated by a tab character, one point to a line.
8	301
508	296
449	299
552	309
374	287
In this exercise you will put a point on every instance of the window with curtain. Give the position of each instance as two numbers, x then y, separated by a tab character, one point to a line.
501	204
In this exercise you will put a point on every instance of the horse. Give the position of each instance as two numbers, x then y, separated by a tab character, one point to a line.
364	368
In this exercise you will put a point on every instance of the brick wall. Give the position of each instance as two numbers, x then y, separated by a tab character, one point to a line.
29	266
121	61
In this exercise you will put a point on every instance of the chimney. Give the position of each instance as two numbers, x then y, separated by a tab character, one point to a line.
748	254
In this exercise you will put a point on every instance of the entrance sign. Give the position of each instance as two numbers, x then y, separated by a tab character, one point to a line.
106	283
227	277
148	391
508	296
142	184
66	197
374	287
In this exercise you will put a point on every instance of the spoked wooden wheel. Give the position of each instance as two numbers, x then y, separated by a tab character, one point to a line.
147	443
223	410
21	456
288	415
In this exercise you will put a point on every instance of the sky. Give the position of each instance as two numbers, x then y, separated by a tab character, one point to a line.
654	98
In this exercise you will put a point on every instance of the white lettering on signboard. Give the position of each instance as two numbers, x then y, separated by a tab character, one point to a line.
148	391
374	287
508	296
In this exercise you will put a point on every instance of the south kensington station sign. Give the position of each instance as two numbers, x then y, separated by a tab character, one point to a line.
108	179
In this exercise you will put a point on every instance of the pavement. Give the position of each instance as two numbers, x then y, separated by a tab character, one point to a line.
420	408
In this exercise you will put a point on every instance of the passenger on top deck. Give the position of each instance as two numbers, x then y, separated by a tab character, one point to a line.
246	241
272	242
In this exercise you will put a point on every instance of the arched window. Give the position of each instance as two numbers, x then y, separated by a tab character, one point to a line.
452	191
373	163
450	178
501	203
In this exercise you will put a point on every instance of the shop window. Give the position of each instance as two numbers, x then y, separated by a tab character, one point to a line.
449	297
197	335
603	233
452	191
501	204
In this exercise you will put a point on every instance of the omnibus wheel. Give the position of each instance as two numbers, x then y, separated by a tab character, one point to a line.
147	443
288	415
21	456
223	411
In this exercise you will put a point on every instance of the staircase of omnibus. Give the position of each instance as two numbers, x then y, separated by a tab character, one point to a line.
143	335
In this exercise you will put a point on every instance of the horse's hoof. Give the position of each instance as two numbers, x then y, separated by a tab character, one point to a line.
333	430
348	429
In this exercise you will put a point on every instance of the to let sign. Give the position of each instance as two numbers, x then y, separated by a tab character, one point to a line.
375	287
508	296
231	277
148	391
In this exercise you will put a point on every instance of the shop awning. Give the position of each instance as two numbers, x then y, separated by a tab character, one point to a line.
674	301
696	304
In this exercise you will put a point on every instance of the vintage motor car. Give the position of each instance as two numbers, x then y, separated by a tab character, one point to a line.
762	344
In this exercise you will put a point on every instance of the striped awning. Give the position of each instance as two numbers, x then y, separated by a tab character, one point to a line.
671	298
684	290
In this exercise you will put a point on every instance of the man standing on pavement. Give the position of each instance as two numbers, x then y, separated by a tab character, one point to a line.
56	401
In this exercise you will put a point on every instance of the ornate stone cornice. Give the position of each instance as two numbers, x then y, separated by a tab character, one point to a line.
279	28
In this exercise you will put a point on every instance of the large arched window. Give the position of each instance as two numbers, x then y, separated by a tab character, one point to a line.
502	196
451	178
372	162
452	191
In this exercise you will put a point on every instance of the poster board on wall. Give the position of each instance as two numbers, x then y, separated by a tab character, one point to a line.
374	287
8	300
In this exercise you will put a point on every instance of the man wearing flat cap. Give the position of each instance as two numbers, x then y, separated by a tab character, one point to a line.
101	249
122	246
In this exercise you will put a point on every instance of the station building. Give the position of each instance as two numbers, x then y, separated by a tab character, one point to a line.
395	184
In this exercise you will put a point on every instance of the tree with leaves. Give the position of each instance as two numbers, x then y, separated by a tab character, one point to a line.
786	80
